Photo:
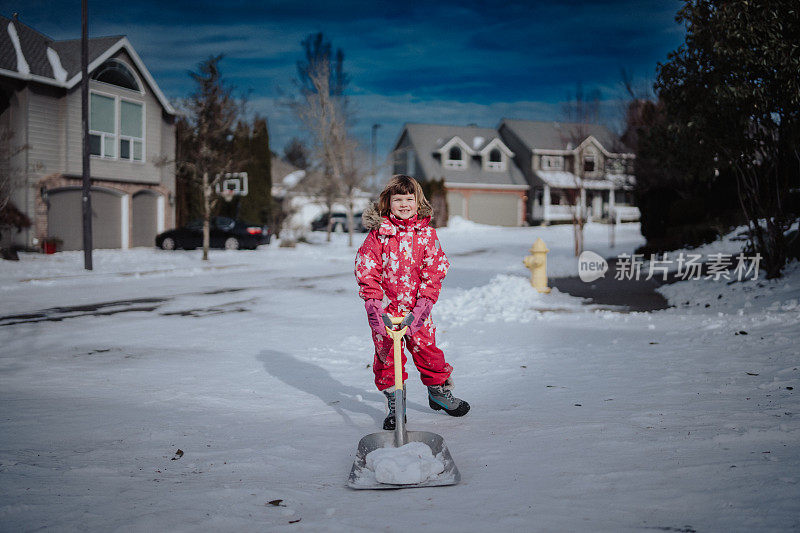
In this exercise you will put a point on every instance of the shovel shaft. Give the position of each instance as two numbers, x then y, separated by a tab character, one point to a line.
400	435
397	338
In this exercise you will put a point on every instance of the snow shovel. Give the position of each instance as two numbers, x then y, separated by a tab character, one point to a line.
360	476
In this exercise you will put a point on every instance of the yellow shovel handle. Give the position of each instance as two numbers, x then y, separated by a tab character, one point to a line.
397	337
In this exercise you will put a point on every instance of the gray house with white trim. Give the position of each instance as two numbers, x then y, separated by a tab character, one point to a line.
481	180
571	167
132	139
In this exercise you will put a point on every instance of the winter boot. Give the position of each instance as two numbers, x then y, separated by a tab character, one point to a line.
441	397
389	421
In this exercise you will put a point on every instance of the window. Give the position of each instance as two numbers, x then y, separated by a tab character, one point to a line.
495	160
102	130
552	162
589	161
105	132
130	131
115	72
455	158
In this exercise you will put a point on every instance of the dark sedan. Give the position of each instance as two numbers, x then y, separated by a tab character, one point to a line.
338	222
225	233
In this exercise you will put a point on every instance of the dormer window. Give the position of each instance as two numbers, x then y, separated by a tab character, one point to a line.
552	162
495	161
455	158
589	161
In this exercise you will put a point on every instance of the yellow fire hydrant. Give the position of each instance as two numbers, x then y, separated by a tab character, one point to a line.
537	264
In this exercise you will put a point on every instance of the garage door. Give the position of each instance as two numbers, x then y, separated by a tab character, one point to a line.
455	204
495	209
65	219
145	218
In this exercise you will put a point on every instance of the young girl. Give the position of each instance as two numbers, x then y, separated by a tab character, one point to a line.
401	265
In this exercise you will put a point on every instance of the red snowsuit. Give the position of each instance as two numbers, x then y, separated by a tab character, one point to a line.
402	260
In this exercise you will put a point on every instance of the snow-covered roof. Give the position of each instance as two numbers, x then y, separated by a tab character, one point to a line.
567	180
559	179
30	55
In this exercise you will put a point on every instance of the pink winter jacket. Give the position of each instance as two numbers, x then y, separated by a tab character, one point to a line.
401	259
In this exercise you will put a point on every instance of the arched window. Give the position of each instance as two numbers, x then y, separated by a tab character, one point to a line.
117	73
494	160
455	158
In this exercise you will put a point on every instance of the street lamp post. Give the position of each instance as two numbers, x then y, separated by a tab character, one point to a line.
86	195
374	148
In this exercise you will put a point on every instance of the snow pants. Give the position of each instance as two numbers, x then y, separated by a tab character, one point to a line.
428	359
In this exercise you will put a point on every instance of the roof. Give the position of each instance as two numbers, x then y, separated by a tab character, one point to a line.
549	135
70	52
567	180
428	138
30	55
280	168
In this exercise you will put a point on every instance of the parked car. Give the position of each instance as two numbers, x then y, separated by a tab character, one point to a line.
339	222
224	233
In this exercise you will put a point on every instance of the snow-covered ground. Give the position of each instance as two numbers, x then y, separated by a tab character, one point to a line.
255	365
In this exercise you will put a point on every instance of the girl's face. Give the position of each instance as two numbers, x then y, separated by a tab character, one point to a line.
403	206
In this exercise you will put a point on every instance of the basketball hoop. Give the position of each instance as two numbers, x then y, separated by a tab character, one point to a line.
231	184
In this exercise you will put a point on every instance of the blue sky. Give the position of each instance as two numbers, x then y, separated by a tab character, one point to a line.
453	62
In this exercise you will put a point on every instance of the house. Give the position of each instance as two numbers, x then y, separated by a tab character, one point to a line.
132	139
481	180
572	167
292	187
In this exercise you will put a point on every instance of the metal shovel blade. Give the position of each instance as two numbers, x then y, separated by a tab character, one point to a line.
363	478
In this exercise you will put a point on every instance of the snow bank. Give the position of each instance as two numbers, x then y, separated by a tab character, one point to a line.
779	298
407	465
457	224
504	299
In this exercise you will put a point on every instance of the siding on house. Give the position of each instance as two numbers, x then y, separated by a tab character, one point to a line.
45	126
119	170
13	122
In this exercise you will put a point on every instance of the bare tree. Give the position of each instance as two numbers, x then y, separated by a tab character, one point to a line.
322	109
579	113
212	114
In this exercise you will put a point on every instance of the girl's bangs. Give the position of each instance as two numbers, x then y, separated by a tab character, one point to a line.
402	187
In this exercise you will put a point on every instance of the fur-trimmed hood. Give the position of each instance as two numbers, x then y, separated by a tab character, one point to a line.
371	219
